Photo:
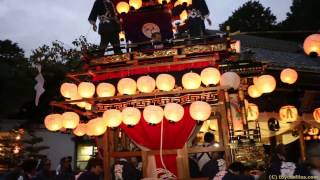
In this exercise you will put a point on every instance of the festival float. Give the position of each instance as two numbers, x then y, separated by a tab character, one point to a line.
156	103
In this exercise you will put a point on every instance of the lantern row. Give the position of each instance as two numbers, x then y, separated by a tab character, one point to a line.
147	84
130	116
267	83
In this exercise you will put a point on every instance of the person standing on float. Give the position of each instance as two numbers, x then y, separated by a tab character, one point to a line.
198	12
109	26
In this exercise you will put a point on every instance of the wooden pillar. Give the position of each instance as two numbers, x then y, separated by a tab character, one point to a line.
183	163
302	144
224	130
106	156
144	157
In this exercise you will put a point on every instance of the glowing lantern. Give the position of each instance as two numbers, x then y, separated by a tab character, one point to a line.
316	115
191	80
106	90
266	84
80	130
88	107
308	138
255	80
127	86
68	90
289	76
177	3
86	89
122	36
163	1
131	116
230	79
210	76
253	91
112	117
16	150
311	45
173	112
184	16
135	3
70	120
252	112
96	127
313	131
153	114
165	82
200	111
288	113
82	104
123	7
146	84
53	122
189	2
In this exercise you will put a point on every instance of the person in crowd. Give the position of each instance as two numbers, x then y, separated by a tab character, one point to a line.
93	171
194	168
14	173
215	165
280	166
29	167
314	160
65	172
123	170
235	171
204	157
44	170
109	26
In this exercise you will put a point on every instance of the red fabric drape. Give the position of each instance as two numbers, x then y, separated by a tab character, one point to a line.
175	135
158	69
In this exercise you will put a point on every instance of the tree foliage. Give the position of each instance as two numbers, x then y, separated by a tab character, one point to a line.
251	16
303	15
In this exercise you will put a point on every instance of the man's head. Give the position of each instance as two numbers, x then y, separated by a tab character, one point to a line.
65	163
156	36
29	166
95	166
237	168
208	137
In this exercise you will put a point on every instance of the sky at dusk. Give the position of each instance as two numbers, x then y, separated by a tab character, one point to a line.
32	23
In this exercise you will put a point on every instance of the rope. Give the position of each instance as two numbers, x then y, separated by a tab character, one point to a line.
164	173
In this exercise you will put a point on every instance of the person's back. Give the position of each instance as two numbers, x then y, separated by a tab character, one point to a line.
123	170
205	157
93	170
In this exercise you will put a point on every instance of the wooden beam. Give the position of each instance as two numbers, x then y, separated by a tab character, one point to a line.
106	157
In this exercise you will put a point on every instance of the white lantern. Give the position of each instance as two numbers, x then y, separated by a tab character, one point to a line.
230	79
266	84
289	76
165	82
288	113
191	80
316	115
173	112
53	122
70	120
68	90
200	111
210	76
312	45
106	90
135	3
80	130
88	107
131	116
127	86
86	89
112	117
153	114
96	127
146	84
123	7
253	91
